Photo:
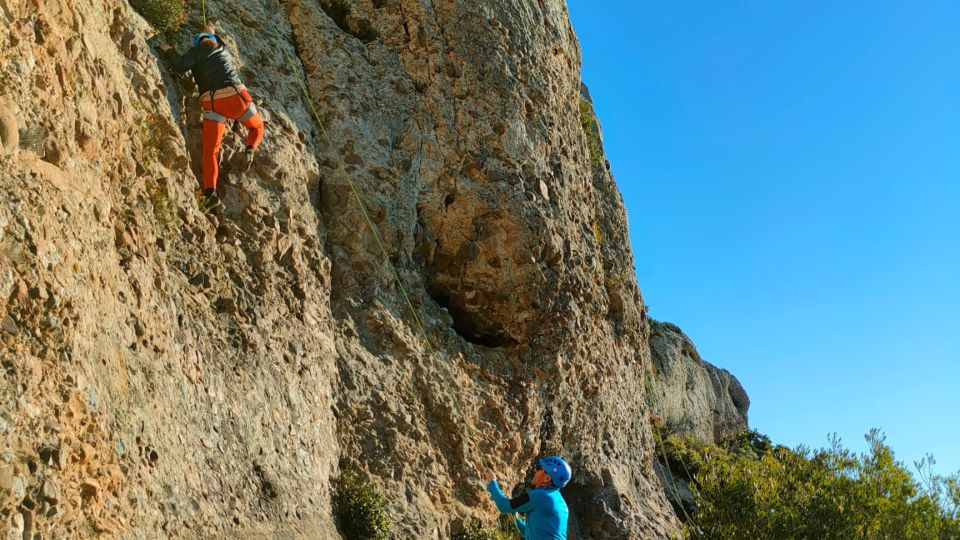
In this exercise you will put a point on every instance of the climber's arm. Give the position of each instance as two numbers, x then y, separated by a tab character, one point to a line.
515	505
180	63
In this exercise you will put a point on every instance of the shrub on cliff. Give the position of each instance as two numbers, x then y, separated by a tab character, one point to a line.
591	131
475	531
162	14
749	489
359	508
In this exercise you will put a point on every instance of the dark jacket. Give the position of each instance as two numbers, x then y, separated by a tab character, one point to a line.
212	69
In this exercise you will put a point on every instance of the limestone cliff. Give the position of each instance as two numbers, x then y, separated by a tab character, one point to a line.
169	376
689	394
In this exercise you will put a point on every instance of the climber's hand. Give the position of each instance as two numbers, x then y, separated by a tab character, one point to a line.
165	47
490	476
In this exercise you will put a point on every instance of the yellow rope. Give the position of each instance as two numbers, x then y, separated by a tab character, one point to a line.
363	208
671	479
203	8
661	444
444	369
406	297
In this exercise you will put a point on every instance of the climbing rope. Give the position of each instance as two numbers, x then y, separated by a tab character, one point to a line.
671	479
659	443
342	168
203	9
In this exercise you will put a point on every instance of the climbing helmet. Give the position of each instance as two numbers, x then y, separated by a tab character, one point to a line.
557	468
202	36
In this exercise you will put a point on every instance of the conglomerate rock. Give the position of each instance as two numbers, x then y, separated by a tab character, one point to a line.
169	376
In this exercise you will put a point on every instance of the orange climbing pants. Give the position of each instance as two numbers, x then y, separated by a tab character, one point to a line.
232	103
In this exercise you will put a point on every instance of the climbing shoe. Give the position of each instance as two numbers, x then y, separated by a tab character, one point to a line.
210	203
248	159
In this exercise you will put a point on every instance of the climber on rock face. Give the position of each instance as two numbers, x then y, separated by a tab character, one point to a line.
222	97
544	506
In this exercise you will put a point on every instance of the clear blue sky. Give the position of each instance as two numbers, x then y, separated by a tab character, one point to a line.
791	171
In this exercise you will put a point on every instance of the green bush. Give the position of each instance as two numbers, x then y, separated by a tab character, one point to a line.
591	131
162	14
683	453
475	531
749	443
160	201
151	138
359	508
747	488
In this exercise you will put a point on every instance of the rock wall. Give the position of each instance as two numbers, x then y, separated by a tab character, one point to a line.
165	375
690	395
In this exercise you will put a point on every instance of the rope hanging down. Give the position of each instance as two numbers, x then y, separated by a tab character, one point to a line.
342	168
406	297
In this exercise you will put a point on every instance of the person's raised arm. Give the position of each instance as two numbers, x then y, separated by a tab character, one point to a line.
519	504
180	63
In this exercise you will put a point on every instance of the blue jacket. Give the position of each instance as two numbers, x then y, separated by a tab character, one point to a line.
545	508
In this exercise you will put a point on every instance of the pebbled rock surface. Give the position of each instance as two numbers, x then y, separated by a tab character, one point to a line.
165	375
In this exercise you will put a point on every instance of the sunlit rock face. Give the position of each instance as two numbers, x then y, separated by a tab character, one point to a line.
170	375
690	394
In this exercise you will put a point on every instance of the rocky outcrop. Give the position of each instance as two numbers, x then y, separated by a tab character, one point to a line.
689	394
166	375
688	397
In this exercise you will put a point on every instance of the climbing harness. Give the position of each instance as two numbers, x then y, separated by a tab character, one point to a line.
251	110
216	117
212	96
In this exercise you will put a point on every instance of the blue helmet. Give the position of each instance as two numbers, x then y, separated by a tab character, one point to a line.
557	468
202	36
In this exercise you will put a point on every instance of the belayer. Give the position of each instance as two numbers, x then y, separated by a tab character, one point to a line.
544	506
222	97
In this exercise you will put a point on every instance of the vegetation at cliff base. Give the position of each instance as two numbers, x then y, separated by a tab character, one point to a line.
360	508
475	531
748	488
162	14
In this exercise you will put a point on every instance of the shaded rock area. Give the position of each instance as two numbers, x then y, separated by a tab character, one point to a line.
168	375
